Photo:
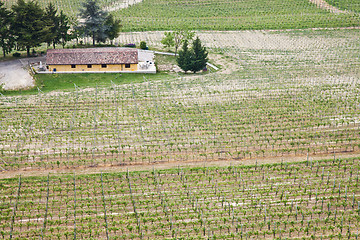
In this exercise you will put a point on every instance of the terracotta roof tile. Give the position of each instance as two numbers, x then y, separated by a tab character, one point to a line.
112	55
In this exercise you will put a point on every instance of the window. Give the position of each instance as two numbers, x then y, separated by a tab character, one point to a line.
73	66
103	66
89	66
127	65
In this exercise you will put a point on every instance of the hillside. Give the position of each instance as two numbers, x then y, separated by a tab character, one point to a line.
150	15
267	146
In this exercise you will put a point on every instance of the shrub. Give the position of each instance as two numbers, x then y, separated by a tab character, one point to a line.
16	54
143	45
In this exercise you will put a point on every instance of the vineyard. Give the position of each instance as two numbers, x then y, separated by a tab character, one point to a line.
151	15
65	155
177	121
350	5
155	15
259	110
71	7
308	200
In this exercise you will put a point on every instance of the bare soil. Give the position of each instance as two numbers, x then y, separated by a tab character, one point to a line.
168	165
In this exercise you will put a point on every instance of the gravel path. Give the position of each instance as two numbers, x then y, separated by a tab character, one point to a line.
14	75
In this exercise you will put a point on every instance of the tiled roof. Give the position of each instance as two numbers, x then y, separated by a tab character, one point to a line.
112	55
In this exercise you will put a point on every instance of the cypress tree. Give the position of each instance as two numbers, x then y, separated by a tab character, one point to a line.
199	56
52	23
62	33
184	57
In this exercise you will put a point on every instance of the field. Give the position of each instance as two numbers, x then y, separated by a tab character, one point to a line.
277	100
266	147
307	200
351	5
216	15
71	7
155	15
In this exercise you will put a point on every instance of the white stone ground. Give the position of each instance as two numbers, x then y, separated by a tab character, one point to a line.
15	75
121	5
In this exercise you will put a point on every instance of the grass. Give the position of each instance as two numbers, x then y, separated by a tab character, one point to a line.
65	82
351	5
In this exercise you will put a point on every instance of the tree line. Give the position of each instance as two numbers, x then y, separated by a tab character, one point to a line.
26	25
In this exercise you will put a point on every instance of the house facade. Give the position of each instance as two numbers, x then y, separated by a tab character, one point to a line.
80	60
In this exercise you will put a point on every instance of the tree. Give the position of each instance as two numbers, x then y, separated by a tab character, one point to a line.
199	56
28	25
184	58
143	45
94	21
114	26
168	40
63	30
194	59
6	36
175	39
77	30
51	21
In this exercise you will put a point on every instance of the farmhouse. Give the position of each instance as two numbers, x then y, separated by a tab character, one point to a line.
113	59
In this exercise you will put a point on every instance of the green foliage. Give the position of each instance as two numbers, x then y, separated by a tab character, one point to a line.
184	58
57	25
6	38
350	5
16	54
143	45
168	15
217	197
51	22
95	19
194	59
199	56
64	25
168	40
176	38
28	25
230	15
98	24
65	82
114	27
